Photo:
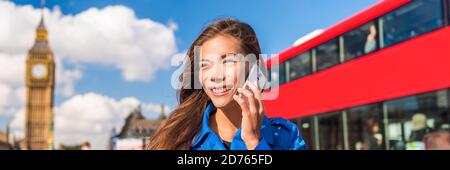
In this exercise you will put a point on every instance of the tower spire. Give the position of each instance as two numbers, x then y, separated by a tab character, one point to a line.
39	122
42	4
41	30
162	114
42	9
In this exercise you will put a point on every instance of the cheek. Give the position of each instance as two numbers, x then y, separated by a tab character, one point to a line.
231	73
240	73
235	74
201	77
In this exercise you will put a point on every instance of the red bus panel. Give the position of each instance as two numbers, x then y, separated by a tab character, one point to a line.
418	65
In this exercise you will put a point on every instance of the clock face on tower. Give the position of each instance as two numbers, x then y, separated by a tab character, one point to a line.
39	71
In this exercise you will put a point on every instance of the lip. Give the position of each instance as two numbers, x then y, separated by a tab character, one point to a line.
220	90
220	93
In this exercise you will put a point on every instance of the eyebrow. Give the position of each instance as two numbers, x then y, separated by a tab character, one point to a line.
228	54
222	57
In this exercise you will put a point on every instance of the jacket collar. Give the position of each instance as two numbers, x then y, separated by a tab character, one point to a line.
266	128
205	130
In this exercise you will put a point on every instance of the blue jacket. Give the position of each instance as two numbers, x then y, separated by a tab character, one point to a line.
276	134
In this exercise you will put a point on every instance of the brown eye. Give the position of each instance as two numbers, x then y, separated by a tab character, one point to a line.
229	61
204	64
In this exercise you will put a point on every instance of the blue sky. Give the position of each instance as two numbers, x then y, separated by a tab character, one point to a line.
278	24
102	90
103	94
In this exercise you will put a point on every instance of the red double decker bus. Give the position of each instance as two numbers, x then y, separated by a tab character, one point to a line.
377	80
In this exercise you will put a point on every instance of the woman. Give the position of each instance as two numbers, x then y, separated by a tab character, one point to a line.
220	115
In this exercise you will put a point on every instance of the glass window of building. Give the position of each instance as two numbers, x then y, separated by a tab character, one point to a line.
365	127
416	18
448	12
305	125
327	55
277	75
360	41
331	135
299	66
412	118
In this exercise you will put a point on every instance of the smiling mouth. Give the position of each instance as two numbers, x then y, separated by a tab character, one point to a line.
220	90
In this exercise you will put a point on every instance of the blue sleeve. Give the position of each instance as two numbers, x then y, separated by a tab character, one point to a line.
296	141
263	145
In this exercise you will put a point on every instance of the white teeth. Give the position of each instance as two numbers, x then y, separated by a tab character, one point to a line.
221	90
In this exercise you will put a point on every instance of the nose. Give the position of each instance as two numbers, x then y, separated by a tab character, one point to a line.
218	73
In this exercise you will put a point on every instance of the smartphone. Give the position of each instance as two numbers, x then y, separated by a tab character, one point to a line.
257	77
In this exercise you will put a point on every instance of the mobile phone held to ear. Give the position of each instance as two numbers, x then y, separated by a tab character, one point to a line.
257	77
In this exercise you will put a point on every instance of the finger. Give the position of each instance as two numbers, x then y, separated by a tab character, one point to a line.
257	93
242	103
251	100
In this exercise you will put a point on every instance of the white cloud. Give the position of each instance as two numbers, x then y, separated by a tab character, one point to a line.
17	124
173	25
4	93
152	111
12	85
111	36
12	69
114	36
66	78
11	99
90	117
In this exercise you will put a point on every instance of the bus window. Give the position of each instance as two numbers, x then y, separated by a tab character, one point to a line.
360	41
365	127
305	125
299	66
277	75
327	55
411	118
448	11
331	135
416	18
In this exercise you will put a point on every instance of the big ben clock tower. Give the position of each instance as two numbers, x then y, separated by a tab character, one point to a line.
40	82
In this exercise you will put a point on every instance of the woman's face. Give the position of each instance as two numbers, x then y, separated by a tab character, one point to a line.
221	69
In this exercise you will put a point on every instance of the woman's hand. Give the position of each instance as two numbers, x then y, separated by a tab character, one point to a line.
249	99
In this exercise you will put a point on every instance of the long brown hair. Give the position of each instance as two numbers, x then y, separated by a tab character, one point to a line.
183	124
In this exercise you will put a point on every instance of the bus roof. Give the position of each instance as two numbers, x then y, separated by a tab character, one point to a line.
348	24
